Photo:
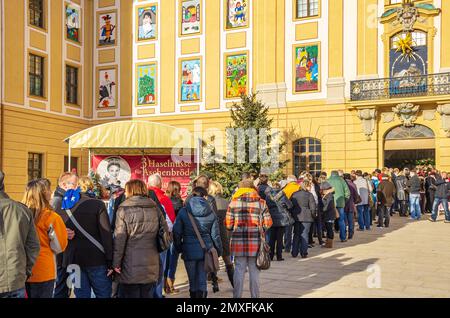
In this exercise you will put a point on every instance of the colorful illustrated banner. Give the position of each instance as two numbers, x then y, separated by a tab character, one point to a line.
72	23
237	14
190	80
107	88
146	84
237	78
306	68
107	29
119	170
191	13
147	23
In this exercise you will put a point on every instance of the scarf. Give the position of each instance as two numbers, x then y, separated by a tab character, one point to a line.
241	191
71	198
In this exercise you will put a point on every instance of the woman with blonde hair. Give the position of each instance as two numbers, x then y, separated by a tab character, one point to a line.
52	236
86	186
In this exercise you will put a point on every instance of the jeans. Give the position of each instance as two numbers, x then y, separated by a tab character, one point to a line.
276	238
40	290
414	203
14	294
342	226
349	220
241	263
288	238
61	288
197	276
305	228
136	290
171	263
363	216
157	293
94	278
436	203
384	216
296	241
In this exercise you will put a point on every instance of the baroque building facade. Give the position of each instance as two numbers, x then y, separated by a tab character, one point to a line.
346	81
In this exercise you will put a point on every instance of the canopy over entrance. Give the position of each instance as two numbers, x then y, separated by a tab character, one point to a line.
132	135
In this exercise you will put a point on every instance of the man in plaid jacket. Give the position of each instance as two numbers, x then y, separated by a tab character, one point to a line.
247	214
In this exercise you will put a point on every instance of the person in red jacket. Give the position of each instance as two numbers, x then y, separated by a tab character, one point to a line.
155	184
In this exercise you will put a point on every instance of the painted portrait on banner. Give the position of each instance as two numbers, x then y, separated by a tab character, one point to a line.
307	72
73	23
146	84
236	82
190	17
237	13
147	22
107	28
191	80
114	171
107	90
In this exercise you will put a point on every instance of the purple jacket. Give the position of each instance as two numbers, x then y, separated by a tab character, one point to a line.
350	203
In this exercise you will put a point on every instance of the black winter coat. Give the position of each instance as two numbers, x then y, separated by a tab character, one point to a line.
442	188
91	214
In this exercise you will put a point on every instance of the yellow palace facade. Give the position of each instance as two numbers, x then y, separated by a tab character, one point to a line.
346	80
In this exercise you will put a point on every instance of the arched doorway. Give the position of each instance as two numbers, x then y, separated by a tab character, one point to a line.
409	146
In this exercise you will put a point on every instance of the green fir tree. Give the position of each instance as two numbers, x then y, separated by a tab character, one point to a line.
249	114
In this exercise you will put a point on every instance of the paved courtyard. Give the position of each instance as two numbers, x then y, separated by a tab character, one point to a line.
411	257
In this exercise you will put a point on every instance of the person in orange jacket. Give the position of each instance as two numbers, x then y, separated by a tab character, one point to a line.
52	236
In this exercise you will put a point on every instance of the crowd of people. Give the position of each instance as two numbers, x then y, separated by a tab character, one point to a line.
69	240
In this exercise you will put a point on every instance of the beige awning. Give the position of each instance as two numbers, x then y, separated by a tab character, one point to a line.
132	135
410	144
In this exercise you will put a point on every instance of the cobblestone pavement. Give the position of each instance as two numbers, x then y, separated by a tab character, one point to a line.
412	258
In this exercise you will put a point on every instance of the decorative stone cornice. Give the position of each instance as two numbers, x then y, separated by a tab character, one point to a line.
368	118
444	111
407	112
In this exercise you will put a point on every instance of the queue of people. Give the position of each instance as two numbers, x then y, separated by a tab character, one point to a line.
70	240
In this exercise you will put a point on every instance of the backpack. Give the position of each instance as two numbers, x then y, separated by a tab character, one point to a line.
284	204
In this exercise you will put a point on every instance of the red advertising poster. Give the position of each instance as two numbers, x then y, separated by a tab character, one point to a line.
119	170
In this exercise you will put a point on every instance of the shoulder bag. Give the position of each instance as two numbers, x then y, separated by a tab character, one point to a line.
263	256
164	238
211	255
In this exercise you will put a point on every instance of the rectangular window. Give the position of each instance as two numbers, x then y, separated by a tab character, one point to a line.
36	9
36	75
73	163
71	85
34	166
307	8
